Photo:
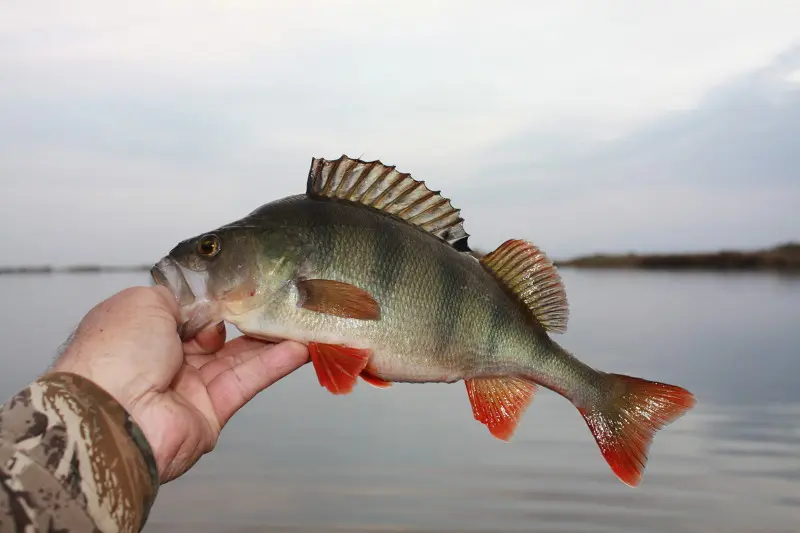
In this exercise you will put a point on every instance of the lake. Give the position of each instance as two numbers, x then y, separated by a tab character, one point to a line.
411	458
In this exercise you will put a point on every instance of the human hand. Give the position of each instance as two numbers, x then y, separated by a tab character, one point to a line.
180	393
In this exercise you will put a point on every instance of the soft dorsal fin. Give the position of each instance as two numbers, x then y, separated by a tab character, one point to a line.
382	187
529	274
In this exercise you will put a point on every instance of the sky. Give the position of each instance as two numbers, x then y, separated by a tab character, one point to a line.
581	126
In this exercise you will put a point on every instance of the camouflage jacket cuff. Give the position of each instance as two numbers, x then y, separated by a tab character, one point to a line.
72	459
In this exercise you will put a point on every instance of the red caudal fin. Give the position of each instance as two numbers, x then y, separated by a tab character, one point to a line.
499	402
338	367
625	425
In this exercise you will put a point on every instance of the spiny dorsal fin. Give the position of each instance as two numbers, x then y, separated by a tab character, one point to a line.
529	274
382	187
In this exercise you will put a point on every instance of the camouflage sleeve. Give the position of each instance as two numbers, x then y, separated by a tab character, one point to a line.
72	461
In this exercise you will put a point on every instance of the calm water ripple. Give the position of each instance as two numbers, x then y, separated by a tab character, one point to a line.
412	459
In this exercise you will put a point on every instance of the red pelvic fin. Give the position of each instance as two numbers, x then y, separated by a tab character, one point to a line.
370	378
338	367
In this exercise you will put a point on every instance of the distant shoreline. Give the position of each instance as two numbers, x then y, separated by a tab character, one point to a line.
785	257
72	269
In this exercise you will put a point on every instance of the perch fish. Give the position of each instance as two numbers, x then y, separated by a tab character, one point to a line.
373	272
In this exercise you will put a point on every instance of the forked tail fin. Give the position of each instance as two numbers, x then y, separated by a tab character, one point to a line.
625	425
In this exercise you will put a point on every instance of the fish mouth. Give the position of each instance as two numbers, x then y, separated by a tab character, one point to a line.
189	289
169	273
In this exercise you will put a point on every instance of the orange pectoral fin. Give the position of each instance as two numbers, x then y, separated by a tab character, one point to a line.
338	367
337	298
499	402
370	378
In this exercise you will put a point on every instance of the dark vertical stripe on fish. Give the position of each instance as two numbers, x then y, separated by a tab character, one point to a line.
389	260
452	303
497	316
322	228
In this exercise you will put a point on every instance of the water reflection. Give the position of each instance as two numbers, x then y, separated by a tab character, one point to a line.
411	458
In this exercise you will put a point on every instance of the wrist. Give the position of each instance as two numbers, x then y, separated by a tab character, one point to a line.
113	383
98	401
88	440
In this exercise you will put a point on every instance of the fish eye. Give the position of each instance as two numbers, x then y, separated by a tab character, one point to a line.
208	246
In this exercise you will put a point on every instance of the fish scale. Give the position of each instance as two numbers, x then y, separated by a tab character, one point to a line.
372	270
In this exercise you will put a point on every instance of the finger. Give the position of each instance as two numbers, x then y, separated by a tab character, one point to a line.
233	354
237	385
233	348
208	341
199	361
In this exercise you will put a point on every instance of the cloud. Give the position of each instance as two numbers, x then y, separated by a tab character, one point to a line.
125	127
723	174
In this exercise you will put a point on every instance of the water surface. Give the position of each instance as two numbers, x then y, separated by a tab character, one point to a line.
411	458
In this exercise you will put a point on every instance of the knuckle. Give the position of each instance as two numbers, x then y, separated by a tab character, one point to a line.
138	294
130	297
145	297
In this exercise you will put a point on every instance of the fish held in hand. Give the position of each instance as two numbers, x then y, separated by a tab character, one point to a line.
372	270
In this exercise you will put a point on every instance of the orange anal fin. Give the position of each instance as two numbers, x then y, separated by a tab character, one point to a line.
625	426
337	298
337	367
370	378
499	402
